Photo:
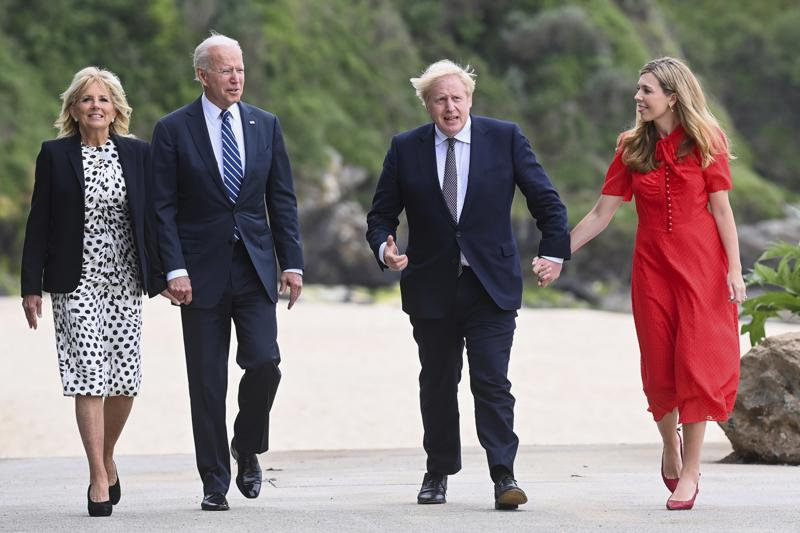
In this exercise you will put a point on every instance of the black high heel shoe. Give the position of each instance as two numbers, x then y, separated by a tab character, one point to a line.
115	491
98	508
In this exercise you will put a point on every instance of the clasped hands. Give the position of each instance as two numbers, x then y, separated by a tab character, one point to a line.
546	271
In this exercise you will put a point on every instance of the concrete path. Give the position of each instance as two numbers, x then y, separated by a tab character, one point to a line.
571	488
350	382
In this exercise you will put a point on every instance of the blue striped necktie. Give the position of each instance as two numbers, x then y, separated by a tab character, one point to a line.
232	172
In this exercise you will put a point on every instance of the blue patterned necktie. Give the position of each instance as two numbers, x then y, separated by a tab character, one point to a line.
232	172
450	181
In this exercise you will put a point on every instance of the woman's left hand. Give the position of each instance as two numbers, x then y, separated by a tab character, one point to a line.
737	291
546	271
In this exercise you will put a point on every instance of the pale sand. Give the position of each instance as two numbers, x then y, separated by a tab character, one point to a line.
349	382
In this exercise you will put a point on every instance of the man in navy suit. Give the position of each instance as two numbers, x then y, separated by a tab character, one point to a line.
220	171
461	282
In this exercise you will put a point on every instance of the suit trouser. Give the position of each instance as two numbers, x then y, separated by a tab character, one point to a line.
206	339
487	332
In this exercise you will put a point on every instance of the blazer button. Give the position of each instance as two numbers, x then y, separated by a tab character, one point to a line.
458	234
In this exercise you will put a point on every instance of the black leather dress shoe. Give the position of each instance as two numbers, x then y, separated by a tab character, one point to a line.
507	494
214	502
248	477
434	489
98	508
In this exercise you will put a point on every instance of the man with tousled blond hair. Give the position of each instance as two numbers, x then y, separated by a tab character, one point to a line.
461	282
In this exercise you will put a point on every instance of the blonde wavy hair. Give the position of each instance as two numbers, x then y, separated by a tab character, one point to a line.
68	126
424	83
702	129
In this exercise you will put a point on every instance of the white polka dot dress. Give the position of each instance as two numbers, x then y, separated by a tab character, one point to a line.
98	325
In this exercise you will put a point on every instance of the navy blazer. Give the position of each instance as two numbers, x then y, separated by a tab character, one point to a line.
52	255
195	218
501	159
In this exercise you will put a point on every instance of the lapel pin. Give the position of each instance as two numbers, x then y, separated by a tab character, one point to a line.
252	122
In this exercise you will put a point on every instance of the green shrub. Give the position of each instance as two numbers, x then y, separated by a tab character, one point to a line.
785	277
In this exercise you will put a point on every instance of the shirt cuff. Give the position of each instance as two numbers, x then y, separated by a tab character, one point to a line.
559	260
295	270
380	253
172	274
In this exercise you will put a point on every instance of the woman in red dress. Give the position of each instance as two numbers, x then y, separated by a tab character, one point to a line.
687	276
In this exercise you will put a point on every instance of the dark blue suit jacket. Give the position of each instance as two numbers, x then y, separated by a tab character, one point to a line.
52	255
501	159
195	219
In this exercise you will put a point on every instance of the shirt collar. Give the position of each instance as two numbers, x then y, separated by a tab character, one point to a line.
465	135
212	112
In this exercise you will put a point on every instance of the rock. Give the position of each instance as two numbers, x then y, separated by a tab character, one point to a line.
336	251
754	238
765	425
333	230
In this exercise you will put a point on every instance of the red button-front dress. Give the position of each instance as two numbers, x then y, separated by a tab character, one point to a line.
686	325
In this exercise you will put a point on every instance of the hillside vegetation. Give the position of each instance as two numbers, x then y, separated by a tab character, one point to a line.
336	73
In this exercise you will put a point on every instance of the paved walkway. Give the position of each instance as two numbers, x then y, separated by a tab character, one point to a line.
571	488
350	382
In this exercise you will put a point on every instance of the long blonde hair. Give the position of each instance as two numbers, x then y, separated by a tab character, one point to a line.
702	129
68	126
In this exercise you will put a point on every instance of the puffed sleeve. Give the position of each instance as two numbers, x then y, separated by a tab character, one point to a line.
717	175
618	179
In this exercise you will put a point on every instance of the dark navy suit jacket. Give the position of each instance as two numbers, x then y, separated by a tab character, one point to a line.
52	255
501	160
195	219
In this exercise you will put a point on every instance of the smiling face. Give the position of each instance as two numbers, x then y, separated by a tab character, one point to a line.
223	82
651	101
93	110
448	104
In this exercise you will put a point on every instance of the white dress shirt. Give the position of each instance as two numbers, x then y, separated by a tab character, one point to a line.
213	116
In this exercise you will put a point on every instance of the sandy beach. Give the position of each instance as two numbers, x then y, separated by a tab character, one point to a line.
349	382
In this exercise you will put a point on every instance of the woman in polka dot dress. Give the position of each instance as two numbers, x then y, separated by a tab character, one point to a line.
687	275
85	243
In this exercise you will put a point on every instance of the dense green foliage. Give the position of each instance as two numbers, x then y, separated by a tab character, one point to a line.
783	281
336	73
751	65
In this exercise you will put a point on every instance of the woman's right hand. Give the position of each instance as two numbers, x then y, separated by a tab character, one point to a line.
32	305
